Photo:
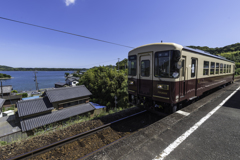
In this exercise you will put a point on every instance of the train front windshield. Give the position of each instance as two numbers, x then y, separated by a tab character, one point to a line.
165	64
132	65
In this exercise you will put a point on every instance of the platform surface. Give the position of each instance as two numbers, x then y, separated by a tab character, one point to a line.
218	137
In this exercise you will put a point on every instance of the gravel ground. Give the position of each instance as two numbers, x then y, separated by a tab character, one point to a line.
84	146
35	142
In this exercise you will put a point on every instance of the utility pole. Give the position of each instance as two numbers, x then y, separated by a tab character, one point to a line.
35	73
118	63
1	89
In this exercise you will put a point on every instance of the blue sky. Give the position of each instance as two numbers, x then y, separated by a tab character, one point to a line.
133	23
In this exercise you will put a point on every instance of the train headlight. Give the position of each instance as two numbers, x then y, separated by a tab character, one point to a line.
163	86
130	82
175	74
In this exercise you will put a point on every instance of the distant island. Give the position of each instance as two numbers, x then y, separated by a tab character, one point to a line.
7	68
4	76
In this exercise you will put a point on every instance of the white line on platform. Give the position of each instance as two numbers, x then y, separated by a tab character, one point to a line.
183	113
180	139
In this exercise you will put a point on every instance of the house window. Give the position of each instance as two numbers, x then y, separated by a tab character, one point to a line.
221	68
206	67
212	67
217	68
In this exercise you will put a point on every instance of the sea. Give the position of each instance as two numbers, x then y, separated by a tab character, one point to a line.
24	80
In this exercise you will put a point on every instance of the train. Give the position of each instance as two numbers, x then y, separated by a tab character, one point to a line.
167	75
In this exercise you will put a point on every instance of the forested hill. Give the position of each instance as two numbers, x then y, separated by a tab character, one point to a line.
231	52
7	68
219	50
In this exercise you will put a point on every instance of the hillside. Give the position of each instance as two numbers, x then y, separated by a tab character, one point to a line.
228	48
231	52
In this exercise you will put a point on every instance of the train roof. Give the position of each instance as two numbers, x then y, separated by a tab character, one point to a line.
180	47
207	54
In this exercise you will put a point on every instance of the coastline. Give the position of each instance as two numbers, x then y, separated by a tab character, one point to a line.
6	78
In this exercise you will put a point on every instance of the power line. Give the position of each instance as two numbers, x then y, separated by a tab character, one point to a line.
65	32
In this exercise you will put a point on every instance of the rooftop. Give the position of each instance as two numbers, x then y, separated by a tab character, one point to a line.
73	78
61	94
60	83
32	106
31	123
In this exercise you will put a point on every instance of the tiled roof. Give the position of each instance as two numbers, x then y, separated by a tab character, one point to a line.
1	102
73	78
6	89
60	94
31	123
60	83
28	107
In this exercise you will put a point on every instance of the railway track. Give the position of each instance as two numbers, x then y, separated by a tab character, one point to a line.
113	130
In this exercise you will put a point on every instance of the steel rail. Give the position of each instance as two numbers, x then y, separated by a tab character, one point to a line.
63	141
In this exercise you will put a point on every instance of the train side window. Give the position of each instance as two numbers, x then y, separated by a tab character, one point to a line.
145	68
221	68
230	68
227	68
212	67
206	67
193	68
217	68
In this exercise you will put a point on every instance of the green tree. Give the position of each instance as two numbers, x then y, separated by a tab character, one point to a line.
14	91
24	95
122	64
105	83
66	74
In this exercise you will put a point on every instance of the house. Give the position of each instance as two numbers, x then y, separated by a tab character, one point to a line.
6	90
1	106
7	95
56	105
72	81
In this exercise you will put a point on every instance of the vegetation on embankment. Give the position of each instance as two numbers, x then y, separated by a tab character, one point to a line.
4	76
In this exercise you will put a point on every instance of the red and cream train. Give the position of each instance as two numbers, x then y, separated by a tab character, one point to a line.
167	74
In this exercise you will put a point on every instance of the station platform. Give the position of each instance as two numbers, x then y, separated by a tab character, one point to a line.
206	129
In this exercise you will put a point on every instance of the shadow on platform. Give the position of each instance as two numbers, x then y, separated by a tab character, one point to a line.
234	101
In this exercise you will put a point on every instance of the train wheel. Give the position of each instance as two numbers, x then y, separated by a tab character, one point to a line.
174	108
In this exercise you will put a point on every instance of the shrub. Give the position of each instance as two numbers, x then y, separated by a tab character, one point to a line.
24	95
238	71
14	91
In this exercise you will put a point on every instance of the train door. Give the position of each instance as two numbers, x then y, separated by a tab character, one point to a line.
182	83
193	82
145	74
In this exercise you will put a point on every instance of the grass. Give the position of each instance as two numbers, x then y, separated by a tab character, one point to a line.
2	143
